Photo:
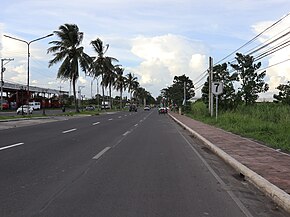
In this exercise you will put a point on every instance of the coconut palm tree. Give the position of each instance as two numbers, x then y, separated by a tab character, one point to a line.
131	83
120	82
101	64
141	94
68	50
109	79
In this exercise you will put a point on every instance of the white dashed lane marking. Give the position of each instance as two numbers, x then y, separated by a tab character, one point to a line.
101	153
11	146
68	131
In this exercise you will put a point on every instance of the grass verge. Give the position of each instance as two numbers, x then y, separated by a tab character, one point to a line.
265	122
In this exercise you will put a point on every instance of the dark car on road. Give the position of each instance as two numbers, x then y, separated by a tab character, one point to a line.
147	108
133	108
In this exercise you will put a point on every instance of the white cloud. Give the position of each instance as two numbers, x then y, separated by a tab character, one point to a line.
34	82
164	48
166	56
278	74
82	80
17	74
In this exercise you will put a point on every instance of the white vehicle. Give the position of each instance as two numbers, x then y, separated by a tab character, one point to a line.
106	105
24	110
35	105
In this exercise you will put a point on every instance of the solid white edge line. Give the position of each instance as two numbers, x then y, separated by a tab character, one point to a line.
223	184
96	123
101	153
68	131
275	193
11	146
124	134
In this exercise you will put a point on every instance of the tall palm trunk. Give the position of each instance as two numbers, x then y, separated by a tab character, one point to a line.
75	96
121	92
110	93
103	92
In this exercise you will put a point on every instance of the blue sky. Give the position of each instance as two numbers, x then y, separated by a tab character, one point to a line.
155	40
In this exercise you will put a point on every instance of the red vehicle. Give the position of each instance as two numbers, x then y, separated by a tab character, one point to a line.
5	104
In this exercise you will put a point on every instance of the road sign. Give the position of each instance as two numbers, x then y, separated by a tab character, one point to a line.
217	88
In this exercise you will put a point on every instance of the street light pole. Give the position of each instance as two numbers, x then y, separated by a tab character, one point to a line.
2	82
28	56
80	94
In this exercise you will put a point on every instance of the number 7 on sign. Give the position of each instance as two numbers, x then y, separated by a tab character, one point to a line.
217	88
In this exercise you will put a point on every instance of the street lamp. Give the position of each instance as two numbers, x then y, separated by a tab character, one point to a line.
2	82
28	56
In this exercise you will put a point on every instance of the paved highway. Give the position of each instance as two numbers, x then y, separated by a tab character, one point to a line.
118	165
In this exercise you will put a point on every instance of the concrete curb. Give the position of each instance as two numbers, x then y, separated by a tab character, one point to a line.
279	196
23	119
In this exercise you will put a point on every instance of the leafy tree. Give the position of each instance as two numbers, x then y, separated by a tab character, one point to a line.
141	94
102	65
284	93
68	50
150	99
175	92
252	82
228	99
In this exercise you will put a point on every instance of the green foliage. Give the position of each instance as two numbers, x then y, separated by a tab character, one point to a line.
176	91
199	109
252	82
72	55
228	99
284	93
265	122
131	83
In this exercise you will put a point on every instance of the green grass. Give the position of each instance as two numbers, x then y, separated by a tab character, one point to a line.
265	122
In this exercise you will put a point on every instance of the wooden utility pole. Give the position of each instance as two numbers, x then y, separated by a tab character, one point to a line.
210	94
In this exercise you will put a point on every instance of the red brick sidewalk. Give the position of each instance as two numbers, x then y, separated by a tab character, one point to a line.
272	165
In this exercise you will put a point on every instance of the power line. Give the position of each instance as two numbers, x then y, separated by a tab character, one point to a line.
252	50
273	65
204	75
269	43
253	39
272	50
200	86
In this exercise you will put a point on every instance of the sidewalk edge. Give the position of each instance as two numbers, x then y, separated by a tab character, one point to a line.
279	196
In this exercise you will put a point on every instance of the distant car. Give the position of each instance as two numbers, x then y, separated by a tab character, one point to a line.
162	110
5	104
24	109
34	105
133	108
90	108
147	108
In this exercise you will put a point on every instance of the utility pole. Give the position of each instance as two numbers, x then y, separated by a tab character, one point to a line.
184	93
2	82
80	94
210	94
92	82
60	96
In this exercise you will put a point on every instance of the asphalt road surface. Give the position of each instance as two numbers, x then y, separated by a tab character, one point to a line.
123	164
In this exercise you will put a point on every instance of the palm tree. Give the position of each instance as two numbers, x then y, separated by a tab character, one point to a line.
131	84
141	94
101	64
120	82
68	50
109	79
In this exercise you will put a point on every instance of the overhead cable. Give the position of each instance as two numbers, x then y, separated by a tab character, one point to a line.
253	39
